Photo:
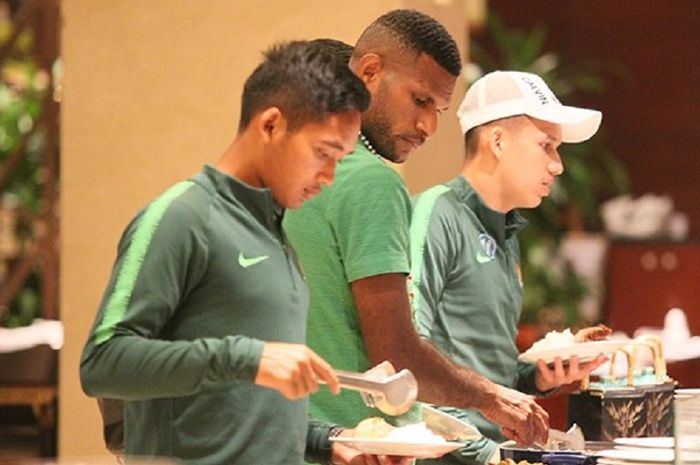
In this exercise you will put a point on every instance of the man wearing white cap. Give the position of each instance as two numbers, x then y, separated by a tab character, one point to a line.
466	283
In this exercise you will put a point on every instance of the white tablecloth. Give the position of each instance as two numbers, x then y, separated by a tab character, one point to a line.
48	332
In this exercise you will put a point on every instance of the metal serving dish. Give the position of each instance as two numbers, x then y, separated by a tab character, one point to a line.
518	453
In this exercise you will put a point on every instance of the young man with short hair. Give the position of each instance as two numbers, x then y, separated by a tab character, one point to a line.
201	329
465	257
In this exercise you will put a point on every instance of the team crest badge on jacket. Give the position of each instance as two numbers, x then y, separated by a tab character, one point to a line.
488	249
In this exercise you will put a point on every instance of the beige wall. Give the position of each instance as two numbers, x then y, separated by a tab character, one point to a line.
441	157
151	93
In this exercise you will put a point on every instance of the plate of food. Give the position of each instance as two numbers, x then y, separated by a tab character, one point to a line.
420	450
586	343
376	436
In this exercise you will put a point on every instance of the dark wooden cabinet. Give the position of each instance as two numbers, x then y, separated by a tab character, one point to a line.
646	279
643	281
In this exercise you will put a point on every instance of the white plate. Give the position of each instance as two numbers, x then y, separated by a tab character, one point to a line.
391	447
584	350
647	454
447	426
687	393
603	461
657	443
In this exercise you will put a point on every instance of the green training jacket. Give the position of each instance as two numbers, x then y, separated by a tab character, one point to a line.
203	276
467	293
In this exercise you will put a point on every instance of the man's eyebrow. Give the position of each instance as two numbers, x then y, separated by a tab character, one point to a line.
552	137
431	100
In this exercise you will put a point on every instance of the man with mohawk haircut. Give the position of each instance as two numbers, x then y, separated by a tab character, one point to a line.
353	239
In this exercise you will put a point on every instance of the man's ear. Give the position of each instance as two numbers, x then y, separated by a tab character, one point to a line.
271	123
369	68
497	141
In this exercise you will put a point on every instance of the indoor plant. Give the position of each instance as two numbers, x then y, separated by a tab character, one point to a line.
23	86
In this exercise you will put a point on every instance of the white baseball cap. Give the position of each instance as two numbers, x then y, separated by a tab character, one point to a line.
501	94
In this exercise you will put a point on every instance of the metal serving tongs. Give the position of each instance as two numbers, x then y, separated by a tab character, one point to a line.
382	388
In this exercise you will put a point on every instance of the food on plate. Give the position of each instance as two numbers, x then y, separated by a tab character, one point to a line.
556	339
373	428
553	340
377	428
593	333
416	433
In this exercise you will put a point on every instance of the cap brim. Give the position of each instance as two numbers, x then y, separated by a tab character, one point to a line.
577	124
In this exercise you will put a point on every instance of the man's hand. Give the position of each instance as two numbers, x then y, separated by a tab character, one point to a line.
519	416
294	370
547	378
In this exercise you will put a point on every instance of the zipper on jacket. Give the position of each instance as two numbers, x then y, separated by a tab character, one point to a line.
291	266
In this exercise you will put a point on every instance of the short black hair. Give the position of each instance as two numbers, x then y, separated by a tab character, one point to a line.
306	80
342	50
418	32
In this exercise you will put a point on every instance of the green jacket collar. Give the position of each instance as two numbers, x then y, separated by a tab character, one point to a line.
500	226
259	201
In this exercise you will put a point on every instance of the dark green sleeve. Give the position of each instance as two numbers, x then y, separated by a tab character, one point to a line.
476	452
473	453
526	378
526	381
318	445
161	257
112	411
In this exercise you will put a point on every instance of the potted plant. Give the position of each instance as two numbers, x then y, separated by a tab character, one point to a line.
23	86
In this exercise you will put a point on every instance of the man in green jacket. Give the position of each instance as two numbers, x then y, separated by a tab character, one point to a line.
202	326
353	241
465	257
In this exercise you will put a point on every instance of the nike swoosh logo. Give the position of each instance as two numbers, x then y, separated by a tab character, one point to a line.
246	262
481	258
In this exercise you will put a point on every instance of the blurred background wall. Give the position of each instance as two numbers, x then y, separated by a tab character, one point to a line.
647	50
